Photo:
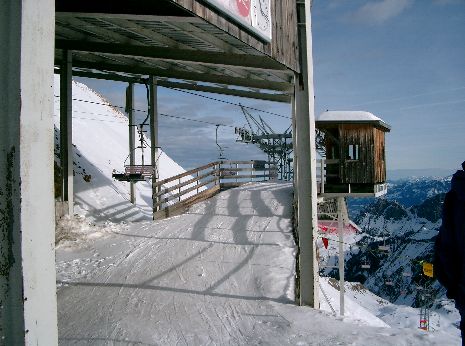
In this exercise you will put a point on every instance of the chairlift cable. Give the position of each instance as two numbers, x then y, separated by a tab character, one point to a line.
145	111
230	103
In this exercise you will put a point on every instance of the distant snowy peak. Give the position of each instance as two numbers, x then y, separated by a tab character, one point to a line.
415	191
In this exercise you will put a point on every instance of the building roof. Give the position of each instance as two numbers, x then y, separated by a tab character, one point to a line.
351	117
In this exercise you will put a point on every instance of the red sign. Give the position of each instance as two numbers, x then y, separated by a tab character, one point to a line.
325	242
331	227
244	7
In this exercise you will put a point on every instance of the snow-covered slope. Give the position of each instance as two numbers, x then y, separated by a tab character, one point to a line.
100	139
221	274
406	192
409	231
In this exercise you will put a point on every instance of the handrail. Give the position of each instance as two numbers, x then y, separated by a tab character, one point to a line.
205	181
182	175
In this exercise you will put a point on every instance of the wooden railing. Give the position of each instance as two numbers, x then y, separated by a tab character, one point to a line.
173	195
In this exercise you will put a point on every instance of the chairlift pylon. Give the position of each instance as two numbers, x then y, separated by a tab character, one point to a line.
220	148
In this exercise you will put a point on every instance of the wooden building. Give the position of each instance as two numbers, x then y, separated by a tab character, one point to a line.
355	162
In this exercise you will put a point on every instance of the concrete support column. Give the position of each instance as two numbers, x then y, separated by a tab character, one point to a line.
28	310
306	163
132	135
153	110
66	130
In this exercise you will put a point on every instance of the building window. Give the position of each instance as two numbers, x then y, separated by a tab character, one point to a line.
354	152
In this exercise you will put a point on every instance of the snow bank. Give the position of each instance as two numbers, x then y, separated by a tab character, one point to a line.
347	116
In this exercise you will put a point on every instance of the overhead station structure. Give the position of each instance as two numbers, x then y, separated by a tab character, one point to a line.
254	49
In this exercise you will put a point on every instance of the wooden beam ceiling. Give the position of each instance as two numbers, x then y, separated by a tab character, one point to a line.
174	54
180	74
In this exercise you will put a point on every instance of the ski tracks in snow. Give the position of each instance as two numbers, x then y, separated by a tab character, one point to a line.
221	274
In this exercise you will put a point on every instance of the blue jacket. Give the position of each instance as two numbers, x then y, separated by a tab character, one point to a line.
449	256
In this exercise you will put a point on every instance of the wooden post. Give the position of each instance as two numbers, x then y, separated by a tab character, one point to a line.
132	135
153	112
306	163
66	130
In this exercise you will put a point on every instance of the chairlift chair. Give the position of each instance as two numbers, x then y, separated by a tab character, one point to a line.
135	173
384	248
365	265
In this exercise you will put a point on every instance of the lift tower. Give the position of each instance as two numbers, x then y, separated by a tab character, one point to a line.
278	146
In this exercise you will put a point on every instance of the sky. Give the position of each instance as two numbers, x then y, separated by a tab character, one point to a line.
403	60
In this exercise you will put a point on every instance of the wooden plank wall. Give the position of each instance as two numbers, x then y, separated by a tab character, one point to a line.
357	171
379	156
284	44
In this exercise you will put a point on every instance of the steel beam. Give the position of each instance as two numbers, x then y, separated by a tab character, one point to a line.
66	130
276	97
132	134
28	308
178	74
258	62
126	16
228	91
153	112
306	164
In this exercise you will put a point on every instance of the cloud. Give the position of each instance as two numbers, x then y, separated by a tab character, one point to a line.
381	11
447	2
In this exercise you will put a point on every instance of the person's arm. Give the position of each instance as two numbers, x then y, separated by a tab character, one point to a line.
445	260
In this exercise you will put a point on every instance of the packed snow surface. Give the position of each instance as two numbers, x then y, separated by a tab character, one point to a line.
221	274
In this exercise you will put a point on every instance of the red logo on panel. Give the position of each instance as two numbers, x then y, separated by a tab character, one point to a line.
244	7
